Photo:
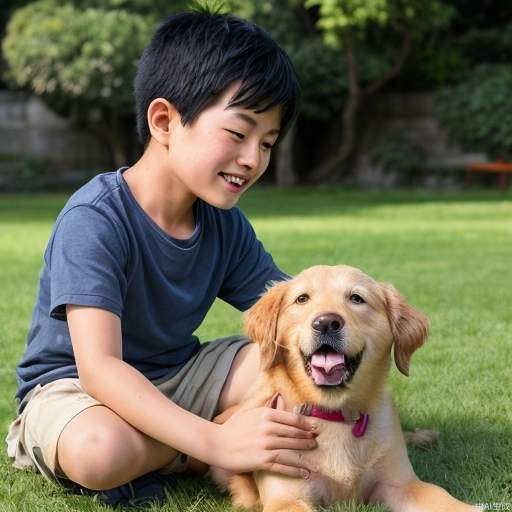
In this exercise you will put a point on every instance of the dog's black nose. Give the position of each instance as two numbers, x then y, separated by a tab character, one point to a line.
328	323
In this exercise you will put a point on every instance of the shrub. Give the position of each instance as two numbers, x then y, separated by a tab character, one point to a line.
68	55
493	45
396	153
477	111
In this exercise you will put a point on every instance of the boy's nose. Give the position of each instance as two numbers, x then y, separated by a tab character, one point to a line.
249	157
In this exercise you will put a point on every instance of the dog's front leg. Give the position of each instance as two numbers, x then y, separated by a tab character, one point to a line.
418	496
288	505
280	493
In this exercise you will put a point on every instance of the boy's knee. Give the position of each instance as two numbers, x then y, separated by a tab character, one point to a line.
98	459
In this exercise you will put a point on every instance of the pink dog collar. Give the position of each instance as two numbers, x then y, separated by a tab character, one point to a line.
359	428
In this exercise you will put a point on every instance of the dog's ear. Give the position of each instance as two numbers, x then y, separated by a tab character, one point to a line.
409	327
261	324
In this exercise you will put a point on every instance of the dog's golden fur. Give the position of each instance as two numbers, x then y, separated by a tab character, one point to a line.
374	467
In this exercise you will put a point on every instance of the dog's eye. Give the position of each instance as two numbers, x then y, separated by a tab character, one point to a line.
302	299
356	299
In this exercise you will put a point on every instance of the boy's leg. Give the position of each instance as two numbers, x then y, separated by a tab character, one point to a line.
243	373
99	450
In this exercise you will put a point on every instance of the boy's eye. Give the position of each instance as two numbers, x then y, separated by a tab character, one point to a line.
238	135
267	146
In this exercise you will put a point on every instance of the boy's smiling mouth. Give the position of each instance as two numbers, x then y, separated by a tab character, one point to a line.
237	181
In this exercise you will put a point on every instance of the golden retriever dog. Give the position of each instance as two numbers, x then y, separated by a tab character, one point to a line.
325	341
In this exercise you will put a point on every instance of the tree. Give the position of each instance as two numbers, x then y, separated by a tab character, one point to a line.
7	7
365	27
81	57
344	51
293	27
477	110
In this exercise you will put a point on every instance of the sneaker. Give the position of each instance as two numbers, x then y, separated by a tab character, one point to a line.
141	492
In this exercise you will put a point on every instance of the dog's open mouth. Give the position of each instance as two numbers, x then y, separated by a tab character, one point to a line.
326	367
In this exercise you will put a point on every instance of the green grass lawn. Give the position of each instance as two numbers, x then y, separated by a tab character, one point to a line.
449	253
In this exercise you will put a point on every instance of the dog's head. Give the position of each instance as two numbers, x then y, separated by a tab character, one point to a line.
332	328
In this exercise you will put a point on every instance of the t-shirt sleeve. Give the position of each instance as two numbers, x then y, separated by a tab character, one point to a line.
250	271
86	261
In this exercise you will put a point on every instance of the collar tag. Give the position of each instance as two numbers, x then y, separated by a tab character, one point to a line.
359	429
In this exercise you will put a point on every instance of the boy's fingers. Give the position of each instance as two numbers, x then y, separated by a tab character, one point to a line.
295	420
272	401
276	402
297	433
280	405
279	443
293	459
289	471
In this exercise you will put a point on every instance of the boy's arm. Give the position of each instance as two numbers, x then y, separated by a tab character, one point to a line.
261	438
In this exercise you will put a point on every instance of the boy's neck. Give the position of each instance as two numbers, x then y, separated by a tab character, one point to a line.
160	194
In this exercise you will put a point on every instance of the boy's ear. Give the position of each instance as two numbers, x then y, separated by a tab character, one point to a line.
409	327
161	115
261	324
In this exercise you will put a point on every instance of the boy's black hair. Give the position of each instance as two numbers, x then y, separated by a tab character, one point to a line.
194	57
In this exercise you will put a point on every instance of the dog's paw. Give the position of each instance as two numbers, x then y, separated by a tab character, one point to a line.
288	505
423	439
220	476
244	492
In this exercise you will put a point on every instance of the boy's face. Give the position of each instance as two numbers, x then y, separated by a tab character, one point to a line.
224	151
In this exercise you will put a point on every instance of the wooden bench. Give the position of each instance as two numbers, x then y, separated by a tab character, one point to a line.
503	169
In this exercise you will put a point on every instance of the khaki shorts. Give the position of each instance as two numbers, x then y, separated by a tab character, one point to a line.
32	438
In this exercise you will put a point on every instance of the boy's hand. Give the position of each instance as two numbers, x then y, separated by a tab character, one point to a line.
266	438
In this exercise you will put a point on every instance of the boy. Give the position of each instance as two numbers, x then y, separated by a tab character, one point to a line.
113	384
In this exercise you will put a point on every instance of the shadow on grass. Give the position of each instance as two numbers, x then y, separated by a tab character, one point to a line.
472	460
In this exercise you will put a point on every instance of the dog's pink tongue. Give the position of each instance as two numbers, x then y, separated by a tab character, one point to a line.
327	368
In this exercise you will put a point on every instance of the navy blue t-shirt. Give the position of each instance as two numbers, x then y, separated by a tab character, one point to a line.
106	252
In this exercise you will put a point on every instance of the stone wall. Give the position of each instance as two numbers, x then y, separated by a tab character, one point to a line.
30	129
414	116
